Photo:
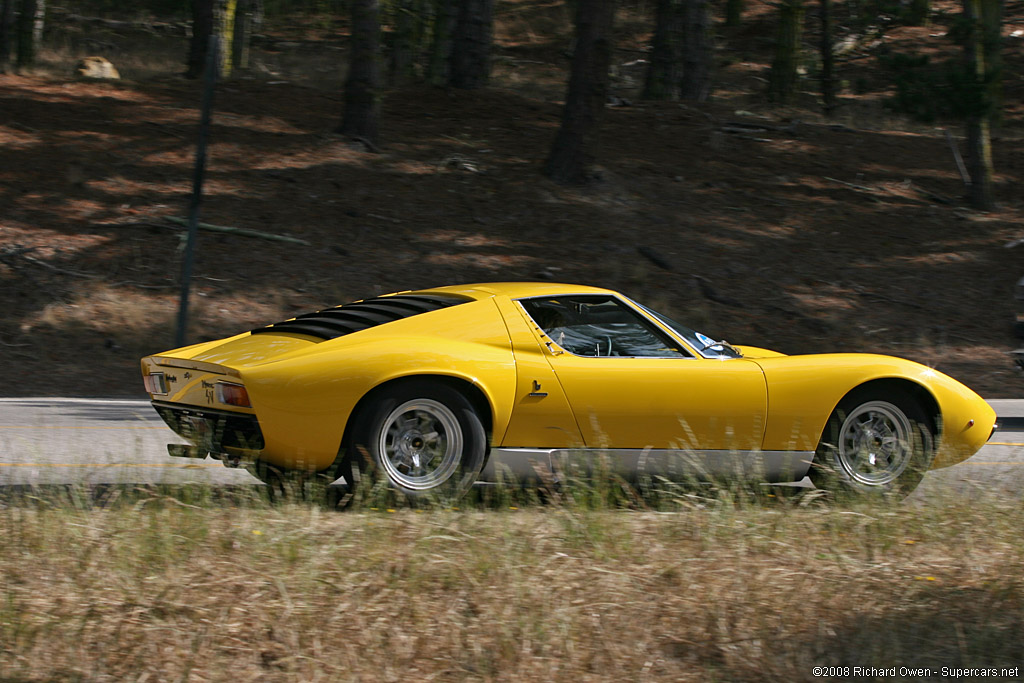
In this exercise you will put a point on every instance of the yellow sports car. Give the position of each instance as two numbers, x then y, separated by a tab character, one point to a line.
441	388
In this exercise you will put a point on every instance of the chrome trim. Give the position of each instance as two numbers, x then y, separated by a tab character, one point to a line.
508	465
201	366
531	464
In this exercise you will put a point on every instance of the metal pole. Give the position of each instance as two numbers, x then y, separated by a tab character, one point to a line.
212	67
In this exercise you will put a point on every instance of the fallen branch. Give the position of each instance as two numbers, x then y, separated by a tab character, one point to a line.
744	126
62	271
928	194
245	232
167	129
870	191
396	221
365	142
8	254
862	188
959	159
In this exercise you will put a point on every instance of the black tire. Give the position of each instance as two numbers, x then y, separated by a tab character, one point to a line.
876	442
423	438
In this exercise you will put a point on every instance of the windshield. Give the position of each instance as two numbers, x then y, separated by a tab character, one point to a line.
703	344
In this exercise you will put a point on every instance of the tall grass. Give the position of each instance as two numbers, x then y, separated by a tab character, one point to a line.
714	587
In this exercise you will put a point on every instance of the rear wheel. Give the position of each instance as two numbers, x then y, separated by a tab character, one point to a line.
874	444
424	439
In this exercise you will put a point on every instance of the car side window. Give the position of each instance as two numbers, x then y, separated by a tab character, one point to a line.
599	326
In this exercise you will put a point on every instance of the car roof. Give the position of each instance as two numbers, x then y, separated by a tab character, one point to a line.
515	290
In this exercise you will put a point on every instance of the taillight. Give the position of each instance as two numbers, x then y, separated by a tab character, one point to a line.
156	383
232	395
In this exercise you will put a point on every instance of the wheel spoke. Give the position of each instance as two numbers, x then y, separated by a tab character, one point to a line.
421	444
873	443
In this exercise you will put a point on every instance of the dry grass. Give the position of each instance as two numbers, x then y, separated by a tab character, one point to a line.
717	589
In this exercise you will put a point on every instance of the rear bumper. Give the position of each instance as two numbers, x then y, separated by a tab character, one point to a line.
232	437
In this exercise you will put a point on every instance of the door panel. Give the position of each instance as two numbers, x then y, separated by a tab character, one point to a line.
632	385
665	402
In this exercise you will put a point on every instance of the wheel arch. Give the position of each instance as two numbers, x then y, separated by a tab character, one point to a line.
886	386
473	393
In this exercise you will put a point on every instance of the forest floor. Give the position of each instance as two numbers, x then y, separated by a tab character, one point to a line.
842	234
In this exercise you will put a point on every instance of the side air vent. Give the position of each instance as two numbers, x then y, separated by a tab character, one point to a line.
332	323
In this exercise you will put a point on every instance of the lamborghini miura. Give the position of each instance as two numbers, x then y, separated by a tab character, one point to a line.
438	389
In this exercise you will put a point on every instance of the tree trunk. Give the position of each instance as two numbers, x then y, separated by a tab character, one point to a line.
38	21
992	23
226	23
445	16
977	48
917	12
573	149
698	53
665	70
242	35
470	66
6	33
404	36
26	32
733	12
202	29
362	86
783	78
828	84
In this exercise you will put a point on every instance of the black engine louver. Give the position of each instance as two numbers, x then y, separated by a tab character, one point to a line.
332	323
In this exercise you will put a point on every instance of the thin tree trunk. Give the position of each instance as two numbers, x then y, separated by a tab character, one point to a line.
471	45
6	33
979	134
828	84
38	22
403	49
573	149
917	12
242	35
362	86
665	70
226	22
733	12
782	80
979	162
992	23
445	16
26	32
698	53
202	29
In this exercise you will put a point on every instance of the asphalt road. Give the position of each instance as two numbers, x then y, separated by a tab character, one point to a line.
59	441
94	441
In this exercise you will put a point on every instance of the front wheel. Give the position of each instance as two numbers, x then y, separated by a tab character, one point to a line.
424	438
874	445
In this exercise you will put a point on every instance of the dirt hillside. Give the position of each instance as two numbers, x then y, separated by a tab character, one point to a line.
763	226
